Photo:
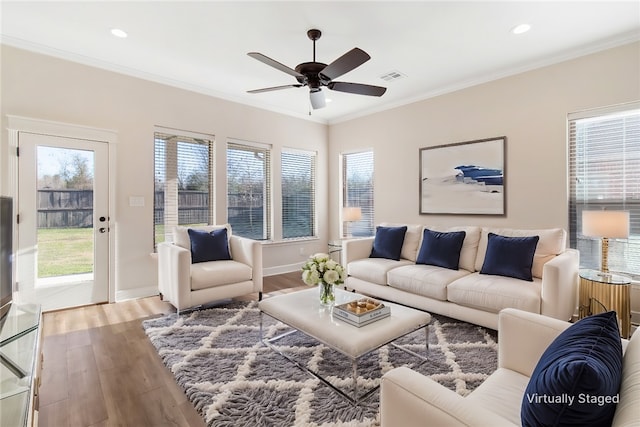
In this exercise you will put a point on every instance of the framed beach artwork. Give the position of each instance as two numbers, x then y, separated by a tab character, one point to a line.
465	178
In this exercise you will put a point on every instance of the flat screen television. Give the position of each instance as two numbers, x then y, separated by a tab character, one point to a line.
6	254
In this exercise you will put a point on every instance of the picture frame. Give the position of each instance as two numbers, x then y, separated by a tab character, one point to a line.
464	178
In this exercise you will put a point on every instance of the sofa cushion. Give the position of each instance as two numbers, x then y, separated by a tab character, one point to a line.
493	293
411	239
388	242
441	249
209	246
374	270
426	280
584	361
552	242
510	256
218	273
501	393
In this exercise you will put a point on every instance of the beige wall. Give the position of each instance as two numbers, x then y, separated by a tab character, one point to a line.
42	87
530	109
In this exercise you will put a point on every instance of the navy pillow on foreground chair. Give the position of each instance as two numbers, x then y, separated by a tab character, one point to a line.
577	379
441	249
388	242
209	246
510	256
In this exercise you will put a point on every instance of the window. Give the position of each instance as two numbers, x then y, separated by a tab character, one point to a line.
184	174
248	189
298	194
357	191
604	167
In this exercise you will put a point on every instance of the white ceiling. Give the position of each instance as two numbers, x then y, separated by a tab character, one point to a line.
202	46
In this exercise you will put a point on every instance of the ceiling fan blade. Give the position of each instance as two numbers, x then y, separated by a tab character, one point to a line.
269	89
275	64
317	99
347	62
357	88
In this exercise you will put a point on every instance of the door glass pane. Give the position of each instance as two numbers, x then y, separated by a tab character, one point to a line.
65	212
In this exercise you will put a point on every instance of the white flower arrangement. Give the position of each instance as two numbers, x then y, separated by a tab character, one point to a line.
321	268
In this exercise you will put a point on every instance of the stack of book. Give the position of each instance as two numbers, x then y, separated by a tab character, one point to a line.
361	312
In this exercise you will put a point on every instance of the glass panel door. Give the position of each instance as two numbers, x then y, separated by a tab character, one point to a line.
63	226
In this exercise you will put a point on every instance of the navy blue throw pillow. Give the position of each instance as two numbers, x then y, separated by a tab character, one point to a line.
388	242
441	249
209	246
510	256
577	379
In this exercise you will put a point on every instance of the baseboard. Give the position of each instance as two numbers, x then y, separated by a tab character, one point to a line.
147	291
281	269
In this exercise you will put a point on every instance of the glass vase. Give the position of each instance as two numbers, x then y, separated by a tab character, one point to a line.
327	294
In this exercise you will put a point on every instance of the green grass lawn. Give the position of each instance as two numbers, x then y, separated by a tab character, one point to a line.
63	251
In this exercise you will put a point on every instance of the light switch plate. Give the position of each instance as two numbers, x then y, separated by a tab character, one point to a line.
136	201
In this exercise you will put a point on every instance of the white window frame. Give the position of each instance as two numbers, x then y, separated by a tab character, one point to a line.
366	226
266	149
313	155
171	197
624	254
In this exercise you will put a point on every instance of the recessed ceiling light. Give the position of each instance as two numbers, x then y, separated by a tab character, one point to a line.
119	33
520	29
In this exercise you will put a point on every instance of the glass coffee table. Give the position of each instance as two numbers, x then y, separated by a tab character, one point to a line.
303	312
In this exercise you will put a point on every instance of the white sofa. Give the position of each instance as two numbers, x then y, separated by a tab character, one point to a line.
466	294
186	285
407	398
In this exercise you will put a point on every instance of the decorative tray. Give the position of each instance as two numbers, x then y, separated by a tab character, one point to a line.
361	312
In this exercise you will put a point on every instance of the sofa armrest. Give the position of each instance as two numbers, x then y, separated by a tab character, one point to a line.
174	274
408	398
249	252
560	285
355	249
523	337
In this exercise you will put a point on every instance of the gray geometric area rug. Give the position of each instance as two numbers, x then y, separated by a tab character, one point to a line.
232	379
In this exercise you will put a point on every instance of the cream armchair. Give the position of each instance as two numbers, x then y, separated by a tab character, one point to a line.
407	398
185	284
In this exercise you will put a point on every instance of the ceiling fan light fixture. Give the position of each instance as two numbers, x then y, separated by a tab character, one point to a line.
317	99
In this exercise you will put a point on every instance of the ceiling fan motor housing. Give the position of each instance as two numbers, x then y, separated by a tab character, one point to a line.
311	72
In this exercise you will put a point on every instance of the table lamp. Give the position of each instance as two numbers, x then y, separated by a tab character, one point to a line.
351	214
606	225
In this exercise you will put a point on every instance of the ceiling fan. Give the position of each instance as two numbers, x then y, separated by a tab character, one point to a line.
316	74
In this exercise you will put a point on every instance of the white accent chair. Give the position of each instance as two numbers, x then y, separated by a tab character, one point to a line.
186	285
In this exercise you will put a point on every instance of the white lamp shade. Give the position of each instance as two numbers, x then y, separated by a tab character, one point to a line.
611	224
351	214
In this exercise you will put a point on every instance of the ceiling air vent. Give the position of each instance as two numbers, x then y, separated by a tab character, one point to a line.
392	76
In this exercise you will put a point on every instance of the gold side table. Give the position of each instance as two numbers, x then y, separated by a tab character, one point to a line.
600	292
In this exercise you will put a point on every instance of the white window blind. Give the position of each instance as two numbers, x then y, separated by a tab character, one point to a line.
298	193
357	191
248	189
604	167
183	167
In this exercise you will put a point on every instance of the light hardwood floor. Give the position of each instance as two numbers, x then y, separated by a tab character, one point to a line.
101	370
